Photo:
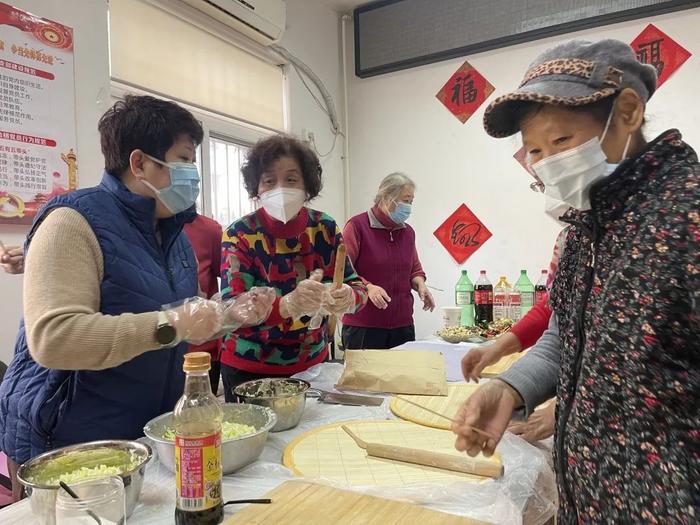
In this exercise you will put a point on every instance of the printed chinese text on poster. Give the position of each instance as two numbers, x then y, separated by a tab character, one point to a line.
37	113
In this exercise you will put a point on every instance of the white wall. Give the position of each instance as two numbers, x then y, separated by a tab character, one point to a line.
312	35
88	18
396	123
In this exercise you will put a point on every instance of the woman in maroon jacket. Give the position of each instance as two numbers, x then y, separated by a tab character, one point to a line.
382	247
205	237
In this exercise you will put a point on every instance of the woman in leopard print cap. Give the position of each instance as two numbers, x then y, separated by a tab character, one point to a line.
623	346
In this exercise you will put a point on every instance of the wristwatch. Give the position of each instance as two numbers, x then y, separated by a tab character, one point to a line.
166	335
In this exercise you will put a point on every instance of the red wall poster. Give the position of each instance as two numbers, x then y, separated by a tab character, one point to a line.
37	113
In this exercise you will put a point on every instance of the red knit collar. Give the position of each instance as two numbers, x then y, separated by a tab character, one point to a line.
276	228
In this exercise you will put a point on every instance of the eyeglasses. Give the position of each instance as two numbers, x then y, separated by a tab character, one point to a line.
537	186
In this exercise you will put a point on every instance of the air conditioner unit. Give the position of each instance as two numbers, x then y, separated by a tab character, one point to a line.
261	20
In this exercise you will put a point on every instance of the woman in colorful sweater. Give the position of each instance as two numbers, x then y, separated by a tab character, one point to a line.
383	249
622	350
291	248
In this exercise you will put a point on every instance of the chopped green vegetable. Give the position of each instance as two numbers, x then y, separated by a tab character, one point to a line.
229	430
86	464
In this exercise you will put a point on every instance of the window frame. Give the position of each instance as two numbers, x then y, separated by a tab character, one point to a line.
214	125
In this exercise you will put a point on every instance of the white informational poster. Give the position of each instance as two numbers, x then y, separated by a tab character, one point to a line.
38	159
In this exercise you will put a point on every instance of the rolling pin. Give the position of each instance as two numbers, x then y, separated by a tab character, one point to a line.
465	464
338	278
339	270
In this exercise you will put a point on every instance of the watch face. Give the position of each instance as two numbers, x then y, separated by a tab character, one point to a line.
165	334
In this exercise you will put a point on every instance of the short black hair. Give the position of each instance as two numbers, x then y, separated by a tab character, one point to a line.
266	151
146	123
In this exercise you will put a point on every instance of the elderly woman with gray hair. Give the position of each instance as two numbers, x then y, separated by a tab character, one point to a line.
382	248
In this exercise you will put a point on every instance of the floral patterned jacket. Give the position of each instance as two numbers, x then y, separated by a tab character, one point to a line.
626	296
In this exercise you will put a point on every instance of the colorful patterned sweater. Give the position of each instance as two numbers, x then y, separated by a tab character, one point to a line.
258	250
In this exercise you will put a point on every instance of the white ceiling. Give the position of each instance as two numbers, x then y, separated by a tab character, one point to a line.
345	6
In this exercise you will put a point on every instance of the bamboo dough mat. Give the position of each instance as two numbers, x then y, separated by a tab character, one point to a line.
328	452
448	405
302	503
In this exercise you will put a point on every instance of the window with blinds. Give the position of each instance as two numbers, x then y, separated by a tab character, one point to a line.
157	51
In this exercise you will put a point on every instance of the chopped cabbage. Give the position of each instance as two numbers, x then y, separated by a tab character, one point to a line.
83	465
229	430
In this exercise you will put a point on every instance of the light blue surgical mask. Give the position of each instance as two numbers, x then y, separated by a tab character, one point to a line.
184	186
401	213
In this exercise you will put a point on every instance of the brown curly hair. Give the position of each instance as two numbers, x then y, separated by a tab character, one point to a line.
266	151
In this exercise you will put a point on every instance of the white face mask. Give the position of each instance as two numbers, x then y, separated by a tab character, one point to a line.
283	204
569	175
555	208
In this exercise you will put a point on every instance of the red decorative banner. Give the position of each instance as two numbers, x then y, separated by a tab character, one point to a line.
655	47
464	92
462	234
521	157
25	69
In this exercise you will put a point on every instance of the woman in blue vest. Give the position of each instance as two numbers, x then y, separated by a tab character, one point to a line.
96	356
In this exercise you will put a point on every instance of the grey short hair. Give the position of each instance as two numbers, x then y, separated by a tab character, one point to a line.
391	186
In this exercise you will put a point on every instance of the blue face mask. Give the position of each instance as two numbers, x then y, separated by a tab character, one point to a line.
184	186
401	213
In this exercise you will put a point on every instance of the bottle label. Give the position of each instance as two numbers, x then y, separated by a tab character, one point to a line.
527	299
483	297
198	472
540	295
463	298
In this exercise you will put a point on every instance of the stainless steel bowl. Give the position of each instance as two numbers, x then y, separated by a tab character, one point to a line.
286	397
42	498
236	453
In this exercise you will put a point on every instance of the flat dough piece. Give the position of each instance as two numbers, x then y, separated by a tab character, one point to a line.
329	452
448	405
502	364
302	503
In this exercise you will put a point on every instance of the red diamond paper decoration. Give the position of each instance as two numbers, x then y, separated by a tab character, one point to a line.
521	157
464	92
655	47
462	234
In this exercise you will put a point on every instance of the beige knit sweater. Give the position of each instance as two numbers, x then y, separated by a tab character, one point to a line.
65	330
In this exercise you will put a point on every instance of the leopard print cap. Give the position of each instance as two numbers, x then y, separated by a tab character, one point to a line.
498	118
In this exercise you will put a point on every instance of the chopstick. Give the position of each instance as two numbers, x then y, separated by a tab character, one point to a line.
73	495
448	418
261	501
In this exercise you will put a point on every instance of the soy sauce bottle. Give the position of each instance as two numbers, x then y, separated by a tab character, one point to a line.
198	471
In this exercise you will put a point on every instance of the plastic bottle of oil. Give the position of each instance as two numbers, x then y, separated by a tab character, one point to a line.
197	420
501	294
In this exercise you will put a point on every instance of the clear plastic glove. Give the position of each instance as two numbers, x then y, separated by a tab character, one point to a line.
540	424
306	298
196	320
249	309
477	359
489	409
340	301
12	259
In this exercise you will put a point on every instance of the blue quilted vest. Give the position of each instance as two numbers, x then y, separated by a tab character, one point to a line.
42	409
